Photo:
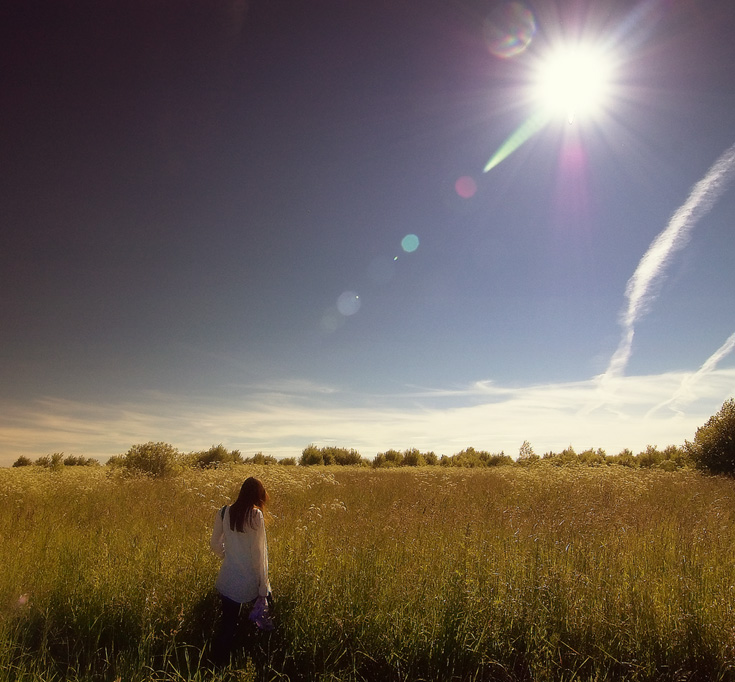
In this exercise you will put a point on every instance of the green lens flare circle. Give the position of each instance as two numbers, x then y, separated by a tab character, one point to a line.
410	243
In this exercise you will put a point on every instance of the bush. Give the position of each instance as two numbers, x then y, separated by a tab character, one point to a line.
674	458
288	461
55	461
624	458
214	457
260	458
592	457
713	448
116	462
154	459
652	457
327	455
311	455
80	461
413	458
343	456
22	461
566	457
389	458
471	458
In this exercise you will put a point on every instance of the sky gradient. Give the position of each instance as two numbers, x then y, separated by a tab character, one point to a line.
265	223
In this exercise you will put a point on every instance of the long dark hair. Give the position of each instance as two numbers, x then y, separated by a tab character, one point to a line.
252	496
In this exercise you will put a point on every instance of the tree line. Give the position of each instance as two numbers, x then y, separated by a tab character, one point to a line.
56	461
712	450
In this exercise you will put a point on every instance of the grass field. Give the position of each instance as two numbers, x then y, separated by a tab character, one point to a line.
536	573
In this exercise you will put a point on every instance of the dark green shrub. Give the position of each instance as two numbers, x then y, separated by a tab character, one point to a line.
624	458
80	461
216	456
389	458
154	459
413	458
592	457
260	458
327	455
469	457
311	455
674	457
650	458
713	448
116	462
55	461
566	457
431	458
342	456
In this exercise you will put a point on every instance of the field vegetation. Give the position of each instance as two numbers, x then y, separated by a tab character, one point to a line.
526	572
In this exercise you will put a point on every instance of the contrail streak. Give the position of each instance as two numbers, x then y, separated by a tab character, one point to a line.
640	290
685	391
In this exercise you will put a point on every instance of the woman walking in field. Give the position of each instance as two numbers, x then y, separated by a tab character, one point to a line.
239	539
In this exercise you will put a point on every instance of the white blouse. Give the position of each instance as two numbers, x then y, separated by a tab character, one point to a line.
243	575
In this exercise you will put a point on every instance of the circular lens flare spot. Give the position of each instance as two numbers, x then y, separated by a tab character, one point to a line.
465	187
509	29
348	303
410	243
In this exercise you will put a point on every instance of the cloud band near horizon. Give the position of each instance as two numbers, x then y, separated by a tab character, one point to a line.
483	415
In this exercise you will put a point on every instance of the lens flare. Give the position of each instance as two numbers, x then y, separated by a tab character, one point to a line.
522	134
348	303
574	80
465	187
509	29
410	243
572	195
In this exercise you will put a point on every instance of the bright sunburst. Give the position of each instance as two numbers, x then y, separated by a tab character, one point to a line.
573	81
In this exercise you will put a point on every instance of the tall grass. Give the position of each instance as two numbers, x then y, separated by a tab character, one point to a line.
538	573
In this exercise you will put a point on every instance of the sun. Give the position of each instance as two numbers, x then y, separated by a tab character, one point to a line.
573	81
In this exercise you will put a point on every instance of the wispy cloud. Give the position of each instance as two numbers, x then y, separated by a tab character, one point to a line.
686	392
483	415
643	285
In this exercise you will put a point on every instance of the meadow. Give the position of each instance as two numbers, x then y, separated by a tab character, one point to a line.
431	573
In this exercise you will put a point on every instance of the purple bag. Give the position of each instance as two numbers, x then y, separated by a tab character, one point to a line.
260	615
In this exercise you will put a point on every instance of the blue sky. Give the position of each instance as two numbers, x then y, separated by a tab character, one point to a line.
204	208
